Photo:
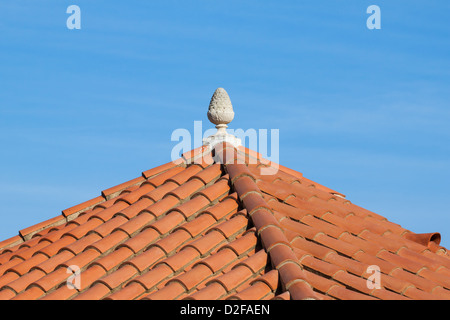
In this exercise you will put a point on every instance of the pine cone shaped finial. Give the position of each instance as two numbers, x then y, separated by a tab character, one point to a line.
220	108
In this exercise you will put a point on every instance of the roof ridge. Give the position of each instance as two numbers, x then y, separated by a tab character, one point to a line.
203	155
268	229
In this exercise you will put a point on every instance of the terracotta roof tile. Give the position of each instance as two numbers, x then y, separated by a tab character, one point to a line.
83	206
233	278
81	260
49	265
172	291
117	278
282	296
92	274
242	244
32	294
108	243
195	276
213	291
96	292
153	277
130	227
47	282
194	229
30	231
162	168
192	154
136	208
7	278
141	240
256	291
129	292
219	260
208	242
173	241
21	283
114	191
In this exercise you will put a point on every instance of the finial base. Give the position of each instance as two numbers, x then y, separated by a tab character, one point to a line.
221	136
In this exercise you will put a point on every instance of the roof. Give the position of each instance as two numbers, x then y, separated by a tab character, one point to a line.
211	225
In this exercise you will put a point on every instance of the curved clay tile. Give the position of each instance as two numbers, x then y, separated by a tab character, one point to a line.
424	238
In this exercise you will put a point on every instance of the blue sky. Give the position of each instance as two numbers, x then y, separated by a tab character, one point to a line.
365	112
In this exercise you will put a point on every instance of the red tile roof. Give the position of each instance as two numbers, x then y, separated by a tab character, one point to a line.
204	228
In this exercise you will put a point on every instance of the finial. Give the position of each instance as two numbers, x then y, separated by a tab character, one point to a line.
220	110
221	113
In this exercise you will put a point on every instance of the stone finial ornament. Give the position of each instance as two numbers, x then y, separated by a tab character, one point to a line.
220	110
221	113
